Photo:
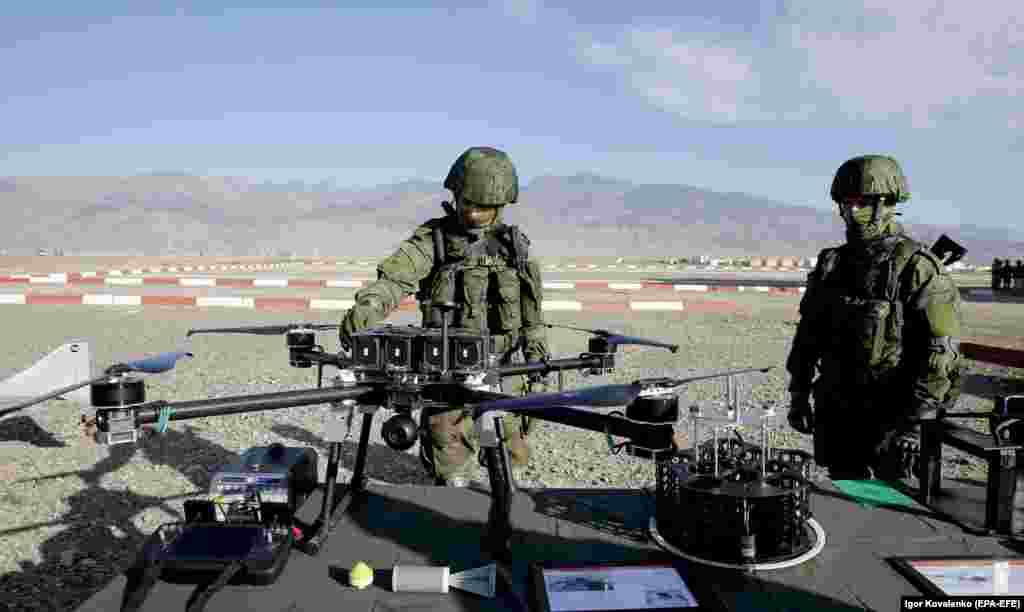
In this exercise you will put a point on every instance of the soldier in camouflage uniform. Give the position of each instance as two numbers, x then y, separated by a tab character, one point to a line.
879	324
485	268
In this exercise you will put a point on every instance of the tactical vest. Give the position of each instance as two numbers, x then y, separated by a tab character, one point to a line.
860	301
482	274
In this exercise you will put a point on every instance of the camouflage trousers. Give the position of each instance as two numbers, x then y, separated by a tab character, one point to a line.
854	432
449	444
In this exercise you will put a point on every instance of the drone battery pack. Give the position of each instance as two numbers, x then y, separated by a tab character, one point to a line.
193	553
393	348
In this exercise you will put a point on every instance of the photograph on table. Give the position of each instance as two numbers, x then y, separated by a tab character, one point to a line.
622	587
963	575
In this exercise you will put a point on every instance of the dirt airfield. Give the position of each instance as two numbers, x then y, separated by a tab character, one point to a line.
72	513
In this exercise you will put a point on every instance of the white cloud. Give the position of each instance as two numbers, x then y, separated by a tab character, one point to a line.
688	73
524	10
916	62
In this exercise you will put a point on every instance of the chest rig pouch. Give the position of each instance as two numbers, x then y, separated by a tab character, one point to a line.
482	276
865	313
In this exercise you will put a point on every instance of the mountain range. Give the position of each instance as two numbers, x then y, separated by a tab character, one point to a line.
584	214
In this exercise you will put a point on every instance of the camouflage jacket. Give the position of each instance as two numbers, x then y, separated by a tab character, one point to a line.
883	317
491	276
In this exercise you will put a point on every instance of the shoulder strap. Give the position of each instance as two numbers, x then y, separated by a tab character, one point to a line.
901	256
518	245
439	250
827	261
423	295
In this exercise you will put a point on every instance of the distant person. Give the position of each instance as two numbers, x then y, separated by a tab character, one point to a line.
487	269
997	272
880	321
1007	275
1018	275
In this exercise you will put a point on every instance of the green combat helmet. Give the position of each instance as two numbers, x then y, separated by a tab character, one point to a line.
484	176
871	175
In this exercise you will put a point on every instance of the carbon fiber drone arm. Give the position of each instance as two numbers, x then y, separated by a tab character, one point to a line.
150	412
554	365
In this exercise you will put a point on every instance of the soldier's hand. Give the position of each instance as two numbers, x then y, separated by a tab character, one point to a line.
345	330
801	415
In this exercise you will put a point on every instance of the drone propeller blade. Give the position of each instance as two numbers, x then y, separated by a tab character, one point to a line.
616	339
601	396
153	365
597	332
678	382
604	395
72	369
262	330
620	339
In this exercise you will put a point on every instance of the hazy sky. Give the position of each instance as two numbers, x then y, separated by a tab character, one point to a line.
764	97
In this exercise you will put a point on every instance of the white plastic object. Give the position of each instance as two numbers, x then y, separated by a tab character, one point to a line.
819	545
424	579
67	365
419	579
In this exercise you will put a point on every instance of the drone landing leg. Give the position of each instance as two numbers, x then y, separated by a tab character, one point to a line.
332	510
502	488
358	482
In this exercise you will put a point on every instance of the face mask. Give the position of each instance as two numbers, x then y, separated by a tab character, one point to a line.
476	217
859	225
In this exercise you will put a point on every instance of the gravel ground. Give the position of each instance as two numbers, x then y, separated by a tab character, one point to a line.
72	514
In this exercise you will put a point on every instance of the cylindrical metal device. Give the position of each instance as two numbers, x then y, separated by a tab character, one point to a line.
117	391
654	409
300	341
419	579
706	499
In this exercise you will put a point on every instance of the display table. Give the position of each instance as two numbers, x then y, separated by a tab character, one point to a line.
412	525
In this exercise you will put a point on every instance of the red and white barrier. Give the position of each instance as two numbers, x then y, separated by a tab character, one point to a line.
354	283
301	303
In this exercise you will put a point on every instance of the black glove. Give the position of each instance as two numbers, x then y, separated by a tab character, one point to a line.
801	415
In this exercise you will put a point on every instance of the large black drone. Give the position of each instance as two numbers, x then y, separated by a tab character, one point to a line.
403	369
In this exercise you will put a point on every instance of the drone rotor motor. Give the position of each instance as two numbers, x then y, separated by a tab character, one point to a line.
117	391
300	341
654	409
107	396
